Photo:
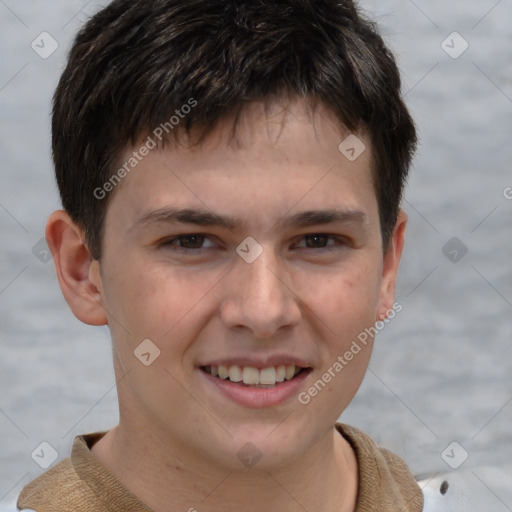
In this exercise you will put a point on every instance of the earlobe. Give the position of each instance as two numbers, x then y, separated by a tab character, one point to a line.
77	272
390	266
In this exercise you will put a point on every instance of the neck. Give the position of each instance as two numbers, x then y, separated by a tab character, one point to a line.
170	478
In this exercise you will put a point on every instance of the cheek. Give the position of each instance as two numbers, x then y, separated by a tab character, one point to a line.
348	307
346	301
157	302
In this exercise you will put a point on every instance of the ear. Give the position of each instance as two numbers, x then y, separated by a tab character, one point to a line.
390	266
77	272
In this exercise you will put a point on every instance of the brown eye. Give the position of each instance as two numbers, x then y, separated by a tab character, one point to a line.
316	241
193	241
321	241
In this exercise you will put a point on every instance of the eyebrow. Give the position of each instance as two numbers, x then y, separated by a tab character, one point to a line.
206	218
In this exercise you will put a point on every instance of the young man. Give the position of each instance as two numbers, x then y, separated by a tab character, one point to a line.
231	175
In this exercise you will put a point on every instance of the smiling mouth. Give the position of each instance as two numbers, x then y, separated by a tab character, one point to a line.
248	376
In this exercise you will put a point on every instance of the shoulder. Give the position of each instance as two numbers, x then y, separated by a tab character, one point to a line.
58	490
80	482
385	481
468	490
371	455
11	507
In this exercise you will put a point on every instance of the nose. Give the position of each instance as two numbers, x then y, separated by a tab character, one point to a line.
257	297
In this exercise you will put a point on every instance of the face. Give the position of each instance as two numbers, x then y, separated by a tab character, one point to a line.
262	260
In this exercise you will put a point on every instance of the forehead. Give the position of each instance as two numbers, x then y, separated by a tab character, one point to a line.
271	122
278	156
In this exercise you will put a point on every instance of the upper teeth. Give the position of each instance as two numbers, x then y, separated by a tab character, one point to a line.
253	376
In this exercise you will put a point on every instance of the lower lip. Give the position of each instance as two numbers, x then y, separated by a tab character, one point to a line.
259	397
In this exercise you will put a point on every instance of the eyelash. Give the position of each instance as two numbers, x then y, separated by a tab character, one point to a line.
340	242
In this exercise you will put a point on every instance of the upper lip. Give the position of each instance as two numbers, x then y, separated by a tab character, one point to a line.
259	362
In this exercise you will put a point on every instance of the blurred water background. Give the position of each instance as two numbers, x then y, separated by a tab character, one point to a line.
441	371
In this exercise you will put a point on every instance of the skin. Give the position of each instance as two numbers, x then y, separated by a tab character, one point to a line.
177	441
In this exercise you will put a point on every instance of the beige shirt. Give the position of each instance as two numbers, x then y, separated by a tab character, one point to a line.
82	484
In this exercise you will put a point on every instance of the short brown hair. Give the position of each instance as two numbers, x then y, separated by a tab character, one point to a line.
136	61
